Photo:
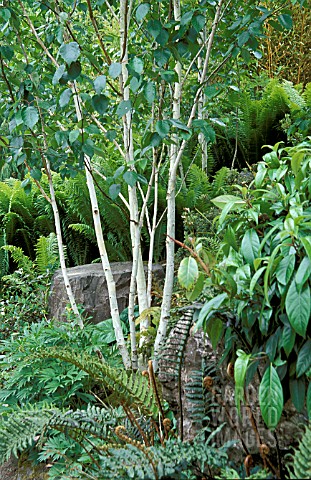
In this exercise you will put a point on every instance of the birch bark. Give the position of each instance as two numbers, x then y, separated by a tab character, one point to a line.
171	205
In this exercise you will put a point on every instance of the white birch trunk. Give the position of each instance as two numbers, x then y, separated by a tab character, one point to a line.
61	246
138	280
111	286
171	208
174	163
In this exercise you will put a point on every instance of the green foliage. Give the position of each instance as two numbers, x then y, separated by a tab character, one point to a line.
301	464
107	454
52	380
263	274
24	293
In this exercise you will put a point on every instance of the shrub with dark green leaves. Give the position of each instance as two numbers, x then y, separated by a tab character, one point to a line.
263	276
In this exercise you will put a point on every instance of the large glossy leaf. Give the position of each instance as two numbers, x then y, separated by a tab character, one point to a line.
222	200
306	241
309	401
288	338
298	306
271	398
209	308
304	359
214	330
188	272
285	269
303	272
250	245
297	389
240	368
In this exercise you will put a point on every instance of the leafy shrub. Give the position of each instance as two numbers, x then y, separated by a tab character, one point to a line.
51	380
263	273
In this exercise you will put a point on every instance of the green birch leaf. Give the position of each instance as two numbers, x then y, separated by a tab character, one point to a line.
149	92
298	307
162	127
70	52
58	74
100	103
297	389
130	177
271	397
100	84
64	99
250	246
285	269
137	65
114	190
142	11
124	107
240	368
115	70
74	70
73	135
304	359
188	272
30	116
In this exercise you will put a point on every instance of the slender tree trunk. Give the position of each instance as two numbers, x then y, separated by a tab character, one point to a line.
171	206
61	245
103	252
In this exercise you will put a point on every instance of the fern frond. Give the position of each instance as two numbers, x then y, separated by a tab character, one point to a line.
295	99
84	229
302	458
121	386
20	258
47	257
20	428
219	181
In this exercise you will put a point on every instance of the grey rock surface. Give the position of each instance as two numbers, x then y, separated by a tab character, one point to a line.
89	287
221	400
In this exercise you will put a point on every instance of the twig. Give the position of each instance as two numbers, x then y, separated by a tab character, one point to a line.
193	253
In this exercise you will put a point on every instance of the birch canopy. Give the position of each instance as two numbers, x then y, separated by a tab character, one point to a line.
82	82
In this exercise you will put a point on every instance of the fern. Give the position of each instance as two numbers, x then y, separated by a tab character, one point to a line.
20	428
47	257
120	386
20	258
295	100
302	459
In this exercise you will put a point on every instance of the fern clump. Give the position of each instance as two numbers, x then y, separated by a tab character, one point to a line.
301	465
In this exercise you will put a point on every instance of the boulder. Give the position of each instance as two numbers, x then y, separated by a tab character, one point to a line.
198	354
89	288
